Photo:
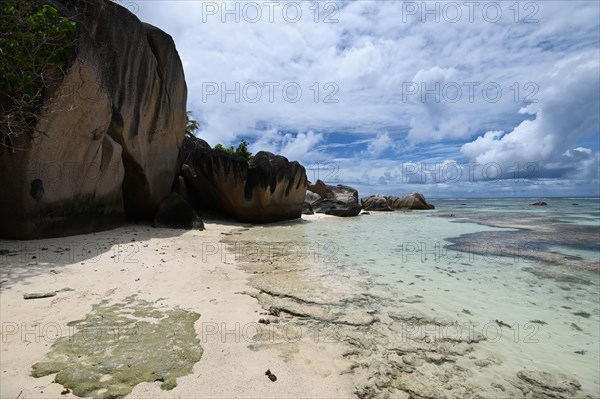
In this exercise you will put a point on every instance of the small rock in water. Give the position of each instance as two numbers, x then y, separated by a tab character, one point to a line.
540	322
582	314
482	362
576	327
581	352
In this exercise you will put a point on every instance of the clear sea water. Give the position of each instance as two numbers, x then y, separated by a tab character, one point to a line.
554	322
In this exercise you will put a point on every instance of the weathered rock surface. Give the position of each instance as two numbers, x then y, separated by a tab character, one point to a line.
376	203
336	208
108	136
175	212
391	202
267	189
337	200
311	197
410	201
339	192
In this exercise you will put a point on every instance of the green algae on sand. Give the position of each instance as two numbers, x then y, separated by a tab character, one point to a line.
121	345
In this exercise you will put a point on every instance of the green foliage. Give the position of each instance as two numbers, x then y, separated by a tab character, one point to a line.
191	125
35	43
241	150
33	39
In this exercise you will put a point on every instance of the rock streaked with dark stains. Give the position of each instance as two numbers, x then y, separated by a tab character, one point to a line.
115	151
267	189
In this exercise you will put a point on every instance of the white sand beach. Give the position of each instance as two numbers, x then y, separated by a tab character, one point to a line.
174	269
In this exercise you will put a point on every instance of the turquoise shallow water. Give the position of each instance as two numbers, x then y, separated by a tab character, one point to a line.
549	324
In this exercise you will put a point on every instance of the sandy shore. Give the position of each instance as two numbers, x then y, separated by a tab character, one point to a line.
173	268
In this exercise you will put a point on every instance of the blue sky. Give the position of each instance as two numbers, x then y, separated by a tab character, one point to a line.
452	99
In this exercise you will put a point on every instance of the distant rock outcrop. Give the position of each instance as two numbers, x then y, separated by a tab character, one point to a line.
108	135
410	201
389	203
336	208
376	203
539	203
267	189
337	200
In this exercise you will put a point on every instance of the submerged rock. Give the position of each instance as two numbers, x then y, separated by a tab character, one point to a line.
548	385
108	134
539	203
267	189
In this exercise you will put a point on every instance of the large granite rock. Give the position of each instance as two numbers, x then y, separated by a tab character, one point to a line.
108	135
339	192
267	189
337	200
336	208
391	202
410	201
376	203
